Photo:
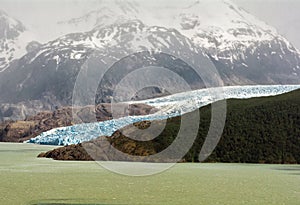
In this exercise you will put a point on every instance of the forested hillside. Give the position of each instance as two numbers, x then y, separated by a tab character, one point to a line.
257	130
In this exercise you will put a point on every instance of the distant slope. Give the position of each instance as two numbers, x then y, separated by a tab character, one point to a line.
257	130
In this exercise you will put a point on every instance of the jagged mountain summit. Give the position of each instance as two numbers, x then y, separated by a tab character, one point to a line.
14	39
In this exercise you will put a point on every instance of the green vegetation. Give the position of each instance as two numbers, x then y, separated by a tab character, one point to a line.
28	180
257	130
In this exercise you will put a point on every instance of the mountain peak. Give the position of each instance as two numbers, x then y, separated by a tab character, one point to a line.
13	39
189	17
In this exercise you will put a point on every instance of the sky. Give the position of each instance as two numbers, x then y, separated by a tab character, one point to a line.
284	15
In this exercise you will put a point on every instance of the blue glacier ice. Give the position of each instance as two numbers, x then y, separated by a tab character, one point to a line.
169	106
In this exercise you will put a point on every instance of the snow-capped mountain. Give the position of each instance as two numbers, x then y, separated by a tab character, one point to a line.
233	37
243	49
13	40
52	69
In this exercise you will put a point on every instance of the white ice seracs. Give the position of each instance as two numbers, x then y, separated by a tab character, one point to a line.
169	106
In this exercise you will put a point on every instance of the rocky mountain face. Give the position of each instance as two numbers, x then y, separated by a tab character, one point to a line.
52	69
126	35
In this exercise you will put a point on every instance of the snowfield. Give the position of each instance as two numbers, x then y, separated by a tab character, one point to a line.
170	106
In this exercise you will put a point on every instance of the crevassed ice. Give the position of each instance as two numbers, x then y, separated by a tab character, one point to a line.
170	106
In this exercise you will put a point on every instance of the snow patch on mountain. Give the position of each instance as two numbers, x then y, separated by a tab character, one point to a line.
131	36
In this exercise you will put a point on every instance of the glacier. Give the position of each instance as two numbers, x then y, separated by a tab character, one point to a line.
169	106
